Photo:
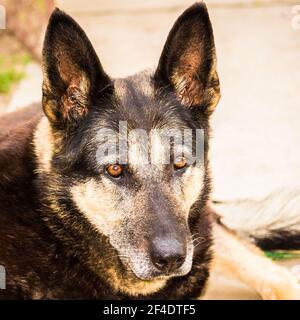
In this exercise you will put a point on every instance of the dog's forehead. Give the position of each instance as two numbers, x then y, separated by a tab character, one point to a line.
143	107
145	116
135	88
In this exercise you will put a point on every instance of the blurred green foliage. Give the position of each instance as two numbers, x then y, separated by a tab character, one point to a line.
282	255
12	70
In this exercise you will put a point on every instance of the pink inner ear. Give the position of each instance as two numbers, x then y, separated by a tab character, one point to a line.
185	76
187	84
74	101
68	70
188	90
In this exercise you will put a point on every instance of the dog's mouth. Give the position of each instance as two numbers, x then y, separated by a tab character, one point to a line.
143	269
157	275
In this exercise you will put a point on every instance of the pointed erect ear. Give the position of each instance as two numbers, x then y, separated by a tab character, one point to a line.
73	75
188	61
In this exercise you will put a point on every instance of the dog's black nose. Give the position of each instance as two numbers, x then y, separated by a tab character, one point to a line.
168	255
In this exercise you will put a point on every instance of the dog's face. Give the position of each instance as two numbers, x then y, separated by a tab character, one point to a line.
128	187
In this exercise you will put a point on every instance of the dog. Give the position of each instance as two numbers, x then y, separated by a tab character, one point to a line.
79	223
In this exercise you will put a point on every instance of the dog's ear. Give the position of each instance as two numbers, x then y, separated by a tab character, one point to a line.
73	75
188	61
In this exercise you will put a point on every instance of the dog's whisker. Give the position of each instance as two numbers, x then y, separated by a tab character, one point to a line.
199	239
195	235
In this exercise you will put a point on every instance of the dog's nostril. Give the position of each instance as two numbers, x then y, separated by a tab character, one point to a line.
167	257
168	263
160	263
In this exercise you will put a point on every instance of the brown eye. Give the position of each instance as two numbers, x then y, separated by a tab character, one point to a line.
180	164
114	170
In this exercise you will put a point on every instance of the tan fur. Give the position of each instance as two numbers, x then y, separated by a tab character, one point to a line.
132	285
43	145
98	203
192	182
244	261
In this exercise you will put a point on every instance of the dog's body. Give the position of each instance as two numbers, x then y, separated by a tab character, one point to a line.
76	227
39	263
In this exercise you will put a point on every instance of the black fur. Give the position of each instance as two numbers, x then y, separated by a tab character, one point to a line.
50	257
283	240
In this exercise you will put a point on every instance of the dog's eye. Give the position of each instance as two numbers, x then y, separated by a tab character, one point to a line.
114	170
180	163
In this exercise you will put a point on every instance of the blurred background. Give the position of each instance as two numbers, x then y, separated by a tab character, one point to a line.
256	127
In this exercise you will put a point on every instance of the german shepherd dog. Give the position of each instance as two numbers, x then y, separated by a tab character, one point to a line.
74	227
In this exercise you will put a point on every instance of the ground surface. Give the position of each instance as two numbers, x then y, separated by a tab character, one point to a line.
256	130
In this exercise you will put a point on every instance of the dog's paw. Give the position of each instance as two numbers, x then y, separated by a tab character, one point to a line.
295	271
284	292
284	286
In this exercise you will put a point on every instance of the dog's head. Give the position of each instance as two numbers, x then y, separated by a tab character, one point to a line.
119	187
